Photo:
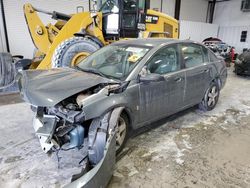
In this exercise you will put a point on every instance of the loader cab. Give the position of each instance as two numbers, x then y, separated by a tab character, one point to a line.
123	18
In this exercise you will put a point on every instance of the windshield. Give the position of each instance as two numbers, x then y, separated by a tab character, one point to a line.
114	62
108	6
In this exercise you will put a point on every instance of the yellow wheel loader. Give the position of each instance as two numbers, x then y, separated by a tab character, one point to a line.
73	37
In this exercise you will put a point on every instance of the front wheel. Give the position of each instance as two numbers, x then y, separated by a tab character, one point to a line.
211	97
122	132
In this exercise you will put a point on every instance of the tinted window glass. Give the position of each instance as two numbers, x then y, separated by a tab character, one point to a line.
129	21
192	55
212	57
114	61
205	52
243	36
108	5
130	5
164	61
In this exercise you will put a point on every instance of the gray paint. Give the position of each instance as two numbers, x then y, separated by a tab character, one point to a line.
47	88
144	102
101	174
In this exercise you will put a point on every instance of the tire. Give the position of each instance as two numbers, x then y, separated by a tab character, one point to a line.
7	70
119	146
210	98
97	137
68	49
238	70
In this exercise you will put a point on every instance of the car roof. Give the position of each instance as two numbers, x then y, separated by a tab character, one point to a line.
151	42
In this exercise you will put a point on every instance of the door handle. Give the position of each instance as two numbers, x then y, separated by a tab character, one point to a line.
206	70
178	79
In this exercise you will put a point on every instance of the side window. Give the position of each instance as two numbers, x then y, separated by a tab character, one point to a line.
192	55
205	52
212	57
164	61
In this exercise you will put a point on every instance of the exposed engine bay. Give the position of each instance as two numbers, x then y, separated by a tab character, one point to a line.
63	127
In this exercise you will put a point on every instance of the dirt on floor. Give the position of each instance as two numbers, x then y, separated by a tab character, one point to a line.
194	149
214	153
190	149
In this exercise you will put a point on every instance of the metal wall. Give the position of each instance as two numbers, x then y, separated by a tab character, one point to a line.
2	37
232	22
228	13
192	10
232	34
167	6
20	41
197	31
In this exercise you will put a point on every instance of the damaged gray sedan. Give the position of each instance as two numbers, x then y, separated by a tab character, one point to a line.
121	87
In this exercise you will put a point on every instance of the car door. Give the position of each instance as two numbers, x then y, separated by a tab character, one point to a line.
161	98
197	72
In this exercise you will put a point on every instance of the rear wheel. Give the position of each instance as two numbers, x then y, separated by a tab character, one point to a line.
71	51
211	97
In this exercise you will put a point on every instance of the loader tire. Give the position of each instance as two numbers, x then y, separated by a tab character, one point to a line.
7	70
71	51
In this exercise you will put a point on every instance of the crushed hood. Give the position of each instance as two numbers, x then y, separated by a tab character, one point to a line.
49	87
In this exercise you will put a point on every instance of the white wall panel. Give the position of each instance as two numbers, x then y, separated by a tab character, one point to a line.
228	13
194	10
19	38
197	31
2	37
231	35
232	22
168	6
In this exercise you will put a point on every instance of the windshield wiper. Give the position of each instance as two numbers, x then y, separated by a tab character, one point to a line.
94	71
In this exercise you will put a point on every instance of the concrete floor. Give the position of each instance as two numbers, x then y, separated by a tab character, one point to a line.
191	149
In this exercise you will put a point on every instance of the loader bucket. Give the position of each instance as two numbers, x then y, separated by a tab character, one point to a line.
7	70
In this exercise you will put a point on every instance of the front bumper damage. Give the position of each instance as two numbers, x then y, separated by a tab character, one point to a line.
44	130
101	173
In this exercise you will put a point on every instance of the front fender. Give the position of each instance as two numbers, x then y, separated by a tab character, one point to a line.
100	175
103	104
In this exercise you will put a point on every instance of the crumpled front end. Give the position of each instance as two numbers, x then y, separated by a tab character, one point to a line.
65	128
68	119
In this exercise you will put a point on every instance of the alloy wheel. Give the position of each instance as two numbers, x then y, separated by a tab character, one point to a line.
212	96
121	132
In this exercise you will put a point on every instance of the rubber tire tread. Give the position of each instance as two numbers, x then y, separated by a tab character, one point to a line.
7	69
203	105
66	51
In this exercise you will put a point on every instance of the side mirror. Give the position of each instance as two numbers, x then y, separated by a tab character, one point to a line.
151	78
